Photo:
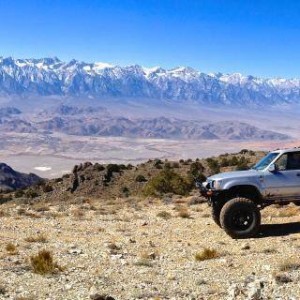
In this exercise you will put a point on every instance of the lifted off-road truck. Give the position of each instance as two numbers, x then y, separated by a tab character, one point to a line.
237	197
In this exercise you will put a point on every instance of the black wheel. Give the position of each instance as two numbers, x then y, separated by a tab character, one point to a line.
240	218
215	213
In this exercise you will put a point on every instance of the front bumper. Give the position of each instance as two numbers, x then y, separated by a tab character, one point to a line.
204	188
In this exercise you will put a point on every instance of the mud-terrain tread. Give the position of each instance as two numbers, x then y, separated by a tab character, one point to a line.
227	210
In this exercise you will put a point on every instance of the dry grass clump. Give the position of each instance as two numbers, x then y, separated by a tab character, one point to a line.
78	214
288	212
11	249
114	248
206	254
3	214
164	215
146	259
289	265
144	262
41	238
43	263
281	278
183	212
41	207
32	215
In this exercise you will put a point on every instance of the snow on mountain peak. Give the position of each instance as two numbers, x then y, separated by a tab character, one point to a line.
51	76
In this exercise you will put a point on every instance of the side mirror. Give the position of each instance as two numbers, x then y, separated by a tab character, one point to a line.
272	168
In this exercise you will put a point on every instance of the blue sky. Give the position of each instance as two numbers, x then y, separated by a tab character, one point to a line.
252	37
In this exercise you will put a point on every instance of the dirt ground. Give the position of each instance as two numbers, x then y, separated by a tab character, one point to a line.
145	249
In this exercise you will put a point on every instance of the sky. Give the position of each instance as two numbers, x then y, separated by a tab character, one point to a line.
260	38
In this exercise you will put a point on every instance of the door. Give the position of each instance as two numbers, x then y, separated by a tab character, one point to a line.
284	183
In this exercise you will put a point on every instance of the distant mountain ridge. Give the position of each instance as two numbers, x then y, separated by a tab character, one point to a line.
53	77
97	121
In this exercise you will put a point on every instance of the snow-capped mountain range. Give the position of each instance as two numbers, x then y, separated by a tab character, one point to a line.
53	77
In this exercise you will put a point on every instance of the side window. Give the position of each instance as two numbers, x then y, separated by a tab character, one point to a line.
281	163
288	161
293	162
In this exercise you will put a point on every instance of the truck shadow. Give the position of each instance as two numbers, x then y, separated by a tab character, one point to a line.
269	230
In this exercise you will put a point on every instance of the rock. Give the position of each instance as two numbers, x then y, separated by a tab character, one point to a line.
75	251
245	246
101	297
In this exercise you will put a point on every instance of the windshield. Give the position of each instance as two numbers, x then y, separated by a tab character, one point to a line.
263	163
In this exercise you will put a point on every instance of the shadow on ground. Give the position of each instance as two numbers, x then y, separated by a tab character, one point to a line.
269	230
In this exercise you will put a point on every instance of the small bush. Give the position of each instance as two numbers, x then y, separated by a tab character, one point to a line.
36	239
206	254
175	165
47	188
78	213
289	265
184	213
144	262
213	165
140	178
31	194
164	215
19	193
11	248
167	181
57	180
43	263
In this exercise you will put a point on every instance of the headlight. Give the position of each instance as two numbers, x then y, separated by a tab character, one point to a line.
216	184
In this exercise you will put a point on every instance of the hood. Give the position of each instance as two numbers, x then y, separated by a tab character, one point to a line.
235	174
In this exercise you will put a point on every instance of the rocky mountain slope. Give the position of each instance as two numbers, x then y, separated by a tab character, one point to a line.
11	180
53	77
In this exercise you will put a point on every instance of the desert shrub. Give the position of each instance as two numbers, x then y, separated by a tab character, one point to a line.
289	265
167	181
195	173
168	165
233	161
43	263
31	194
244	151
125	191
110	169
157	162
205	254
164	215
196	168
19	193
175	165
41	238
47	188
57	180
129	167
242	164
183	212
98	167
213	165
224	162
11	248
140	178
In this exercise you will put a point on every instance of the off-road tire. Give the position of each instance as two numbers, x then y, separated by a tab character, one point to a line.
215	213
240	218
